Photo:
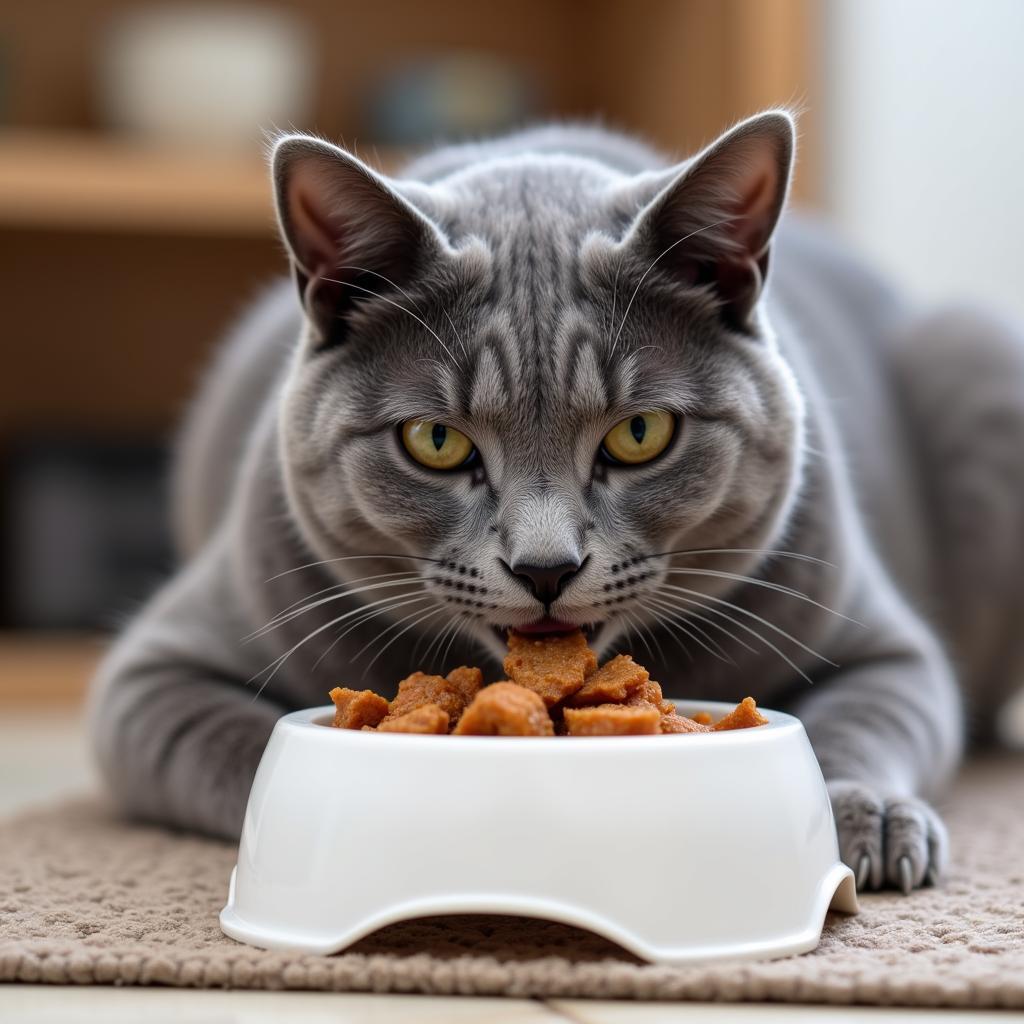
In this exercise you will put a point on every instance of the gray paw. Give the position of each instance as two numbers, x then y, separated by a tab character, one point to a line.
897	843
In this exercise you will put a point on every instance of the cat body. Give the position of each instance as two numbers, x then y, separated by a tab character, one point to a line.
529	292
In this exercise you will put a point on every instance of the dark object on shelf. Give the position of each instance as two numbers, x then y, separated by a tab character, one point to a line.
85	535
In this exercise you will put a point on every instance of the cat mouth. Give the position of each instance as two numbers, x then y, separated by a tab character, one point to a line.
545	626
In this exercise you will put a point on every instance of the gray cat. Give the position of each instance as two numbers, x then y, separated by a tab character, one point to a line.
539	381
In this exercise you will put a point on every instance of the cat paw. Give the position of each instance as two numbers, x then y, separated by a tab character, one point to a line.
898	843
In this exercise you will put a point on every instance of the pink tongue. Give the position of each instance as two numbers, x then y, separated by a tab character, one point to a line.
546	626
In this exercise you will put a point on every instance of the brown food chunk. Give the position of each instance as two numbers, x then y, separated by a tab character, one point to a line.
613	720
613	683
744	716
419	689
428	718
680	723
467	681
505	709
354	709
702	717
650	693
552	666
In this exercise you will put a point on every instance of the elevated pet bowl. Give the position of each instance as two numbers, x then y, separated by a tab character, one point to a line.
681	848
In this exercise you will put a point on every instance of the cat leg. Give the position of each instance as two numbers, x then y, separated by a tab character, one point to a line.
961	376
886	728
177	733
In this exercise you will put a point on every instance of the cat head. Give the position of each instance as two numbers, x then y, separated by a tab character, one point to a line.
536	378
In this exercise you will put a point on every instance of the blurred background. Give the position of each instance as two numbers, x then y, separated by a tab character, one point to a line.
135	217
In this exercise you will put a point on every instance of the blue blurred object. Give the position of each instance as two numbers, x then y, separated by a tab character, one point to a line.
445	97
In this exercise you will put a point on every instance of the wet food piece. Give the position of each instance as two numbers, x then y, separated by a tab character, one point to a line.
552	666
744	716
613	683
354	709
419	689
680	723
505	709
428	718
613	720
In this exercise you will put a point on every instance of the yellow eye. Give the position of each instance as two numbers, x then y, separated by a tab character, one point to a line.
641	437
436	446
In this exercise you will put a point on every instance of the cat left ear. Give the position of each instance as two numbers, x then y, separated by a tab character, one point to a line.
712	224
348	231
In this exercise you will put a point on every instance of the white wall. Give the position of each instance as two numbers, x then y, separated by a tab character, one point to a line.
924	141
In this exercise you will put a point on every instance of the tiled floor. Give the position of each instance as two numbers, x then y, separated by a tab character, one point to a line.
43	756
43	1004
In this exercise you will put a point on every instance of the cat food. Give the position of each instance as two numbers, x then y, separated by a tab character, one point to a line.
555	688
613	720
419	689
673	722
553	666
613	683
428	718
355	708
745	716
505	709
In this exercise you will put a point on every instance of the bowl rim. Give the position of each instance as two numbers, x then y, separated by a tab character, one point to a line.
315	720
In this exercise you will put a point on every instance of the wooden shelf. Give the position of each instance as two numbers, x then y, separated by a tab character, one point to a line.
87	182
43	669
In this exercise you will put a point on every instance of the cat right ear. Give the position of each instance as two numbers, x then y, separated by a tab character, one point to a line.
349	233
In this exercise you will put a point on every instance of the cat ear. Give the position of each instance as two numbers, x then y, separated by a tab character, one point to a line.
713	221
348	231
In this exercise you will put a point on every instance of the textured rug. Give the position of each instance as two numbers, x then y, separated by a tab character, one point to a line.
87	899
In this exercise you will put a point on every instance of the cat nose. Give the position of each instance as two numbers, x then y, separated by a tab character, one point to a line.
546	582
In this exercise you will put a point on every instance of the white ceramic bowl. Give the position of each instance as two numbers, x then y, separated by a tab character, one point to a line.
682	849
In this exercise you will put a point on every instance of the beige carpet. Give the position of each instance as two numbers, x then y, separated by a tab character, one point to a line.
86	899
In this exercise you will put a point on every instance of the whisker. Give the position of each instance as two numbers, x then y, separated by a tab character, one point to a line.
275	623
633	625
615	296
276	664
729	618
654	638
458	337
368	618
386	280
766	584
702	603
413	302
711	645
391	302
690	614
437	640
327	590
670	625
426	615
678	241
798	555
350	558
461	620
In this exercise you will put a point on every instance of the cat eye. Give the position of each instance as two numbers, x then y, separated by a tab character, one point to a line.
639	438
436	445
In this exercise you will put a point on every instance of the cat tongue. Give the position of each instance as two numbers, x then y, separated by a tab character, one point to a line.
547	625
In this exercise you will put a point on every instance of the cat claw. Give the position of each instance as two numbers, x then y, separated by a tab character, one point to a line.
906	875
931	876
863	871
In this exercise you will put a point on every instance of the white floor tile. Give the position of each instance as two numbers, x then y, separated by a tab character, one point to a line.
58	1004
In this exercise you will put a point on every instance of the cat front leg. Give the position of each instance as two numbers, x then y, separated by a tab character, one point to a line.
887	730
176	732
